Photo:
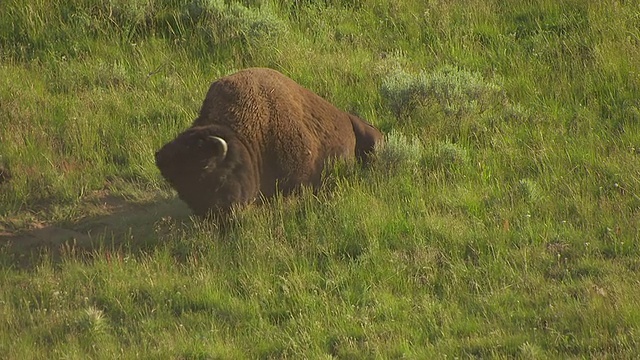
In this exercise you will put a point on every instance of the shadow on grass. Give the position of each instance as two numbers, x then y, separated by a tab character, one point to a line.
117	224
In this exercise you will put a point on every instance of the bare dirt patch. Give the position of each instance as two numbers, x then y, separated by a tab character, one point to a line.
103	220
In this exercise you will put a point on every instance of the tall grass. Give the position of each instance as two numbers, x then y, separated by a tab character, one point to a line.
500	218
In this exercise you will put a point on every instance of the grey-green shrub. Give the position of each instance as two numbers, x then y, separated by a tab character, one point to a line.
399	149
448	155
455	90
236	21
528	190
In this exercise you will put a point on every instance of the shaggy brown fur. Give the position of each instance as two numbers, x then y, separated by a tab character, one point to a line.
279	136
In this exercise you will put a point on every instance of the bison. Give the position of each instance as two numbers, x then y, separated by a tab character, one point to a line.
259	132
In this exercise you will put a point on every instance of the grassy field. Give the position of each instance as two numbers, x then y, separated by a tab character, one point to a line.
500	220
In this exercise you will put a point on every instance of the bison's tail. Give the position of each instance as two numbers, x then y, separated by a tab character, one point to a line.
367	137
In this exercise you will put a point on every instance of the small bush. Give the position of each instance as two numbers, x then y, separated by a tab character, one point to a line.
455	90
92	321
448	155
128	11
236	21
528	190
399	149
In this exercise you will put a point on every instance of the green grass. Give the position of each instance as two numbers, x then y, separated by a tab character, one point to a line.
500	220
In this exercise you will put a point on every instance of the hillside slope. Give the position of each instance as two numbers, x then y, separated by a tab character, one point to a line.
501	219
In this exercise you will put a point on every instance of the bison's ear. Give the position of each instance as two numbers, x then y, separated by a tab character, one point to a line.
219	146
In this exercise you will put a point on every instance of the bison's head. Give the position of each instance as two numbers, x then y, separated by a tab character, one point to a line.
195	164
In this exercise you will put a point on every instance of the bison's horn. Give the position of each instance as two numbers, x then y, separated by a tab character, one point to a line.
223	145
